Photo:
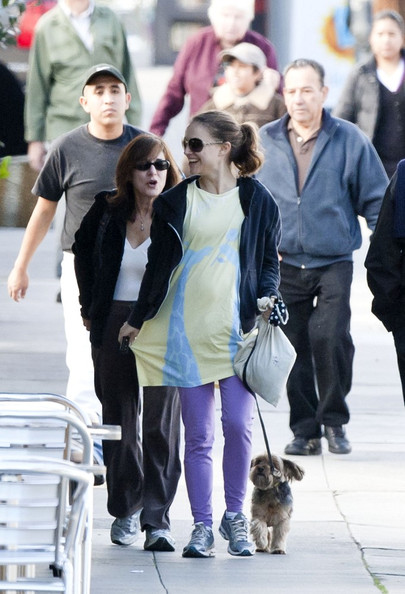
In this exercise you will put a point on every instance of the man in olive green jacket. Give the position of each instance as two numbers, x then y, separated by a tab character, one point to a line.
69	39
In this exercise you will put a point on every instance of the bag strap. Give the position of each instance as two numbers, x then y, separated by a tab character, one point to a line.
244	380
274	471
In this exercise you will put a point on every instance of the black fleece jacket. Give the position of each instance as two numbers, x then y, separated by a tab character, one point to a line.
385	262
98	249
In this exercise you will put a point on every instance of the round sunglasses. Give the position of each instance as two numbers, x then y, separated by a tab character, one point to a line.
196	144
159	164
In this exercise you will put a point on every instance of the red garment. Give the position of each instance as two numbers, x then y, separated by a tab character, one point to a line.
29	19
194	73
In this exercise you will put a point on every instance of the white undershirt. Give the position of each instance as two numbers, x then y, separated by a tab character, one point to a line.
392	81
131	272
81	23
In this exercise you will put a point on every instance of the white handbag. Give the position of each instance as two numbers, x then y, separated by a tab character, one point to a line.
264	361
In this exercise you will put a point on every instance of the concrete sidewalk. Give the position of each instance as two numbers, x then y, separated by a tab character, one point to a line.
348	528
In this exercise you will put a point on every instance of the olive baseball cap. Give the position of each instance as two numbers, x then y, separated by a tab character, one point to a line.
104	69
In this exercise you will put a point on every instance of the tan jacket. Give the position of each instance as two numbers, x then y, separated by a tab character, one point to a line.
262	105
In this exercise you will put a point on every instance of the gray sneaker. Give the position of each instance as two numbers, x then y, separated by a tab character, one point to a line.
158	540
201	543
125	531
236	531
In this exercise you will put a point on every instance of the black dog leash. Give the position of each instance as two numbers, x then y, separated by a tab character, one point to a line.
274	471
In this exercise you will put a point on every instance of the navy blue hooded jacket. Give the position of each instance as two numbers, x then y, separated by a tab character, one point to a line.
258	251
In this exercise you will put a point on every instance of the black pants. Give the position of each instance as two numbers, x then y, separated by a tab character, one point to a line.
140	473
399	341
318	302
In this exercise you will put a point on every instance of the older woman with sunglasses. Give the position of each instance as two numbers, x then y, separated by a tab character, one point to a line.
110	257
213	254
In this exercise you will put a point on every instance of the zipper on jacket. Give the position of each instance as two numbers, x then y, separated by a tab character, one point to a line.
299	221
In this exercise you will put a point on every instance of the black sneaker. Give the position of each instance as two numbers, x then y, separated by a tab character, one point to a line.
337	440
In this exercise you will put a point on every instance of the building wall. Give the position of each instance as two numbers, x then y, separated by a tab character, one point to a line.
314	29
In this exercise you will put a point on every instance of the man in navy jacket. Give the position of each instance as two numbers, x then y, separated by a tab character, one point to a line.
323	173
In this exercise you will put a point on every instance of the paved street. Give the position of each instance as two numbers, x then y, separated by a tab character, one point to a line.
348	526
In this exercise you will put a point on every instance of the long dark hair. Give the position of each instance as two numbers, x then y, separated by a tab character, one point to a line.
245	152
140	149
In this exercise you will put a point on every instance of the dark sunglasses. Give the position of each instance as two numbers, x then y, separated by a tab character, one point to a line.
159	164
196	144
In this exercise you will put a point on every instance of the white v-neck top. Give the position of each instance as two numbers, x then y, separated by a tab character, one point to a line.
131	272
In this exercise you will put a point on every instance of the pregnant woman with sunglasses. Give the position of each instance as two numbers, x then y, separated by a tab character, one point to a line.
110	257
213	253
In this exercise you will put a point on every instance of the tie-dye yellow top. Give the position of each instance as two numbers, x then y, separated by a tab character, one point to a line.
193	338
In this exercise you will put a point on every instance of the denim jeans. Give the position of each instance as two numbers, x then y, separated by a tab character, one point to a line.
318	301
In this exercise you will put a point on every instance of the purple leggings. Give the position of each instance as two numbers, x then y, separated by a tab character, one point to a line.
198	413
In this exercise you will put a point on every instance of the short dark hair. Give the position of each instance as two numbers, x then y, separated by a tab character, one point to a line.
390	14
305	63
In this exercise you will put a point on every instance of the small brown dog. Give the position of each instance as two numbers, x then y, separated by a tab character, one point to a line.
272	502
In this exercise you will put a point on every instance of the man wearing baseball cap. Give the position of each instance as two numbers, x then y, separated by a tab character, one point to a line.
69	39
103	69
249	92
79	164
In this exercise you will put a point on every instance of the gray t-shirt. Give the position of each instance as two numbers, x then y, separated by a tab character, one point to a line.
80	165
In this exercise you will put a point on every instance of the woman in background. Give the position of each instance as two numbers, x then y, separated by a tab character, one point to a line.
374	94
